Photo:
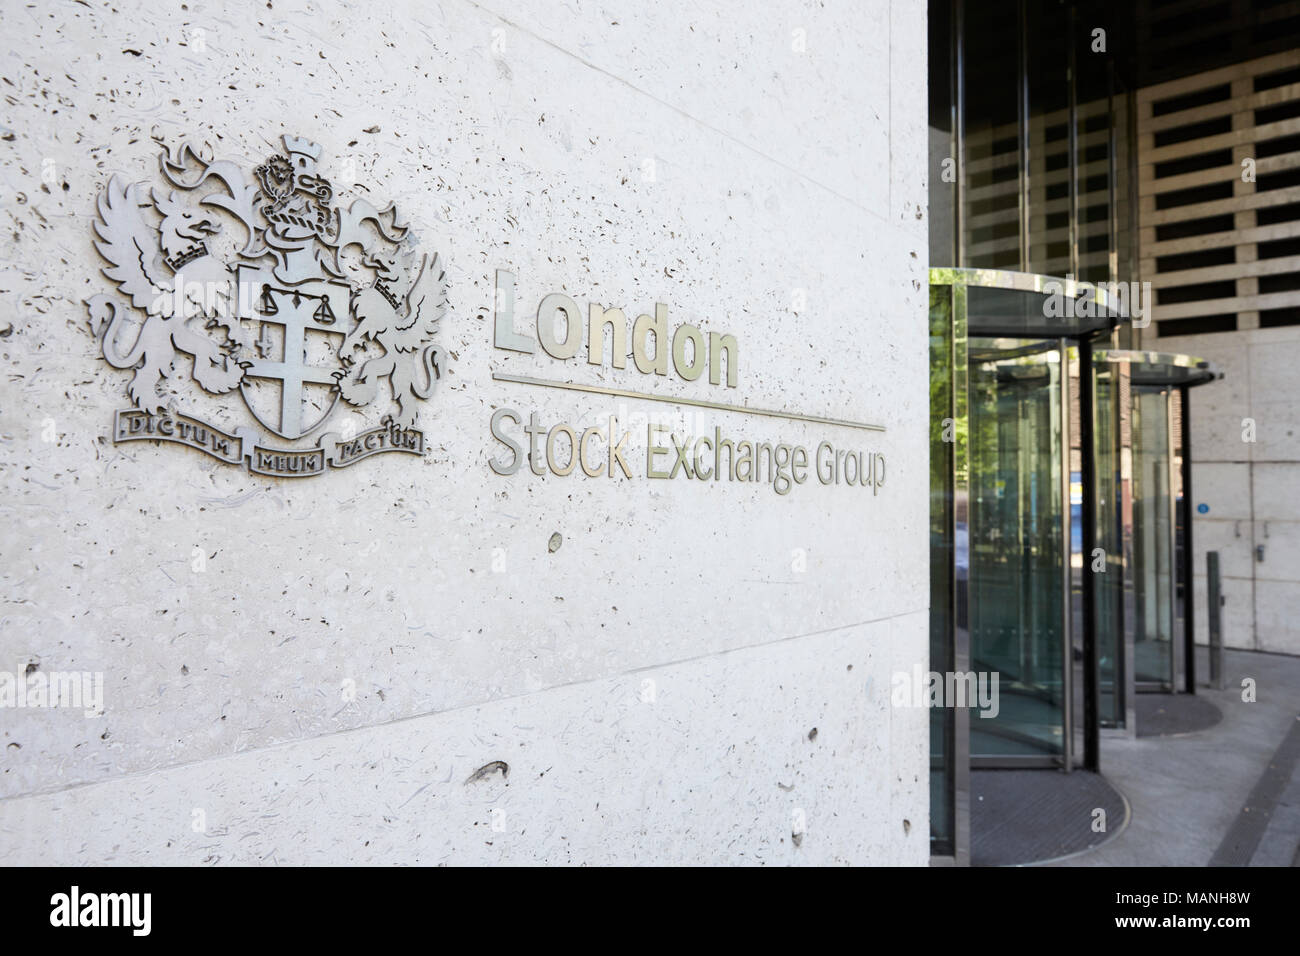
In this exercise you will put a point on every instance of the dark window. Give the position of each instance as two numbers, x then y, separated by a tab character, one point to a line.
1175	104
1286	282
1271	215
1273	114
1196	293
1271	81
1197	260
1197	326
1192	164
1197	194
1283	180
1280	248
1181	134
1194	227
1272	318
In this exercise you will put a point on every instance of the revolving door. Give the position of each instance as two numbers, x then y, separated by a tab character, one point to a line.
1001	528
1147	626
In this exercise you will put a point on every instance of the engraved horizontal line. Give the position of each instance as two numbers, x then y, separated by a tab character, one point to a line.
676	400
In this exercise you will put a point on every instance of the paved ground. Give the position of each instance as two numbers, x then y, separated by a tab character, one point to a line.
1226	795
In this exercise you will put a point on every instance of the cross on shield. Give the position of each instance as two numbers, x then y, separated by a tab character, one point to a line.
289	387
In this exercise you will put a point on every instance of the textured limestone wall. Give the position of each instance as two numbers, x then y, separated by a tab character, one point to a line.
1245	468
650	680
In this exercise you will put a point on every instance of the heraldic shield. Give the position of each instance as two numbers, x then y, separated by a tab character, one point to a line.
291	385
307	314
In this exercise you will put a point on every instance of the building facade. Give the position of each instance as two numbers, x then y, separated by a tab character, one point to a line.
309	651
1113	225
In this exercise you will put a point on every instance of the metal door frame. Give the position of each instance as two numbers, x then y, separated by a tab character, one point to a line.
1123	452
1065	760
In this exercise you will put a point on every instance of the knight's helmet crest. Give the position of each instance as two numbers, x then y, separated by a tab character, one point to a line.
298	199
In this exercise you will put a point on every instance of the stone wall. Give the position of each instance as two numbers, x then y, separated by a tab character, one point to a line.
416	659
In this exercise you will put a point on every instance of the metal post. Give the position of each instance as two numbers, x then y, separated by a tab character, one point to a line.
1189	583
1067	637
1088	537
1214	618
959	127
1177	651
1127	622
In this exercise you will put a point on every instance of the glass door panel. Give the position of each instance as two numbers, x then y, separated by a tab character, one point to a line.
1018	548
1153	540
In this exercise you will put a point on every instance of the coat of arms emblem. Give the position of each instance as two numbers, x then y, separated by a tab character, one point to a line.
310	306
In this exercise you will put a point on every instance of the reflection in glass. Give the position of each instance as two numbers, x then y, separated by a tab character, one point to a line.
941	563
1094	122
1050	169
943	149
991	201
